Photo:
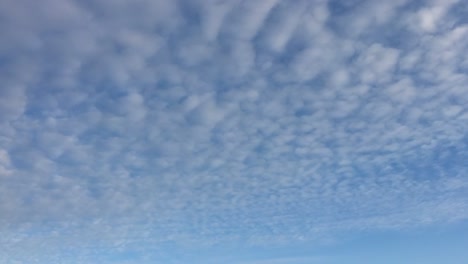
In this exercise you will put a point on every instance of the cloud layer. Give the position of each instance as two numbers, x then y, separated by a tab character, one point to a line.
139	123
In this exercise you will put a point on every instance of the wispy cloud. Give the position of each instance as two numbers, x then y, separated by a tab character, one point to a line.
143	122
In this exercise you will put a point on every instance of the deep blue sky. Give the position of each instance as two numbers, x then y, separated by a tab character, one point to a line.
250	132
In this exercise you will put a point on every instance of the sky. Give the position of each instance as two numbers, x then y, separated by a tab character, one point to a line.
233	131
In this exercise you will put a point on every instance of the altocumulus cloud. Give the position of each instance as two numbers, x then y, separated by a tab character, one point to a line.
127	124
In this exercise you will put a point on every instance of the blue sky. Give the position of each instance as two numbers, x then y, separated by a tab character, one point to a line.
246	132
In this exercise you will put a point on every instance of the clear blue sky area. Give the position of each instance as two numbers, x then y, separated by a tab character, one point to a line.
430	245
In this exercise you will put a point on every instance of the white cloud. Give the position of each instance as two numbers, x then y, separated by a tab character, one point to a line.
12	102
214	15
377	63
248	18
284	25
430	17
